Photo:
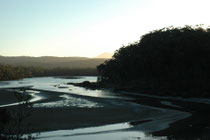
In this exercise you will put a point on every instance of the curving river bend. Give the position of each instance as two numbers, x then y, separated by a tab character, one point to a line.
50	93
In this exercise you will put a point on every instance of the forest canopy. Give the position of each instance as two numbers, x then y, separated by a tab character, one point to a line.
170	60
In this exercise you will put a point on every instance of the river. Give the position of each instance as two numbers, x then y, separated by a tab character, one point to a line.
54	93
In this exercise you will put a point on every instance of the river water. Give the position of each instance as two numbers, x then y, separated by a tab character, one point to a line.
59	84
119	131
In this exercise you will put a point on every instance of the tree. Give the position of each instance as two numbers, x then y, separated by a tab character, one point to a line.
176	59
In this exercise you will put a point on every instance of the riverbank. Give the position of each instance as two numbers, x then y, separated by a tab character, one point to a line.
197	126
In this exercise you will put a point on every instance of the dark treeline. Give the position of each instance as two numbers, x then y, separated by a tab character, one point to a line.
169	61
8	72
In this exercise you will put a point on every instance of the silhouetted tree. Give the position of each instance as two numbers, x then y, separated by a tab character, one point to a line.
172	59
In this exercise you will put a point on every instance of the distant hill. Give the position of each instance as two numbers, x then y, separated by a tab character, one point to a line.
52	62
105	55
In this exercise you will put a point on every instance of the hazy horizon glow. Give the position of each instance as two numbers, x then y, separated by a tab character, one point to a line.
88	27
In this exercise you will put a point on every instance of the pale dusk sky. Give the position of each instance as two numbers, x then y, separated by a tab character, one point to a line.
88	27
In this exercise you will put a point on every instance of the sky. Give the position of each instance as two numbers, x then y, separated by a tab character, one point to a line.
88	27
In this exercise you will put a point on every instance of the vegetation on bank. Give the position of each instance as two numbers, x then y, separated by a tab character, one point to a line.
169	61
8	72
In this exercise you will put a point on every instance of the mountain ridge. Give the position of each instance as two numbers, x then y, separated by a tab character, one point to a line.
105	55
52	61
